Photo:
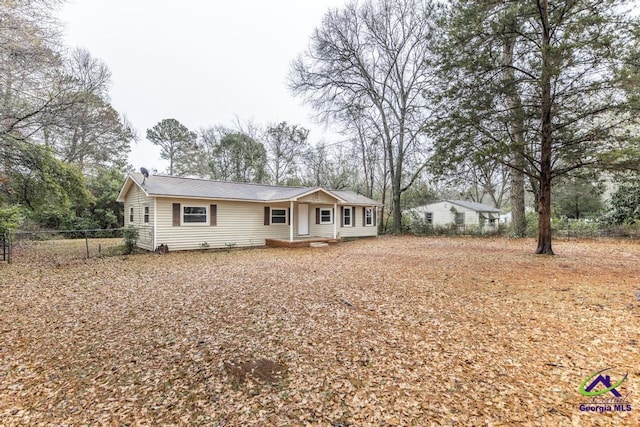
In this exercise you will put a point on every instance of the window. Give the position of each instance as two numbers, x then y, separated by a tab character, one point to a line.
194	215
368	216
428	217
146	214
347	221
278	216
326	216
459	218
130	214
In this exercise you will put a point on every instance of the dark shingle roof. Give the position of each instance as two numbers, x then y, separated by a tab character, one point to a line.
352	198
157	185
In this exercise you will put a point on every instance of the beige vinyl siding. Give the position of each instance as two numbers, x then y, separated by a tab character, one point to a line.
238	223
322	230
137	200
326	230
358	229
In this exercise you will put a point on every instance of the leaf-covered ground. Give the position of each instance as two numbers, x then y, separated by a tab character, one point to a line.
392	331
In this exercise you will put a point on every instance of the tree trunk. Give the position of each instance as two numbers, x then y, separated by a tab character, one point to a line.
396	183
514	104
544	218
397	212
381	225
516	194
544	201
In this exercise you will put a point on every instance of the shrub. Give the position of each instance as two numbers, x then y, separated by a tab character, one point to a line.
130	236
10	218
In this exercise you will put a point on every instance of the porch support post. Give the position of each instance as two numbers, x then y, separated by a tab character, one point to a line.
291	221
335	221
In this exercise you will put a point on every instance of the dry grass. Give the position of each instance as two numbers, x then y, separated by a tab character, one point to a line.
62	251
393	331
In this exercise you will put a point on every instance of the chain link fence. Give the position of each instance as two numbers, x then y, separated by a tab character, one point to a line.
565	229
5	245
63	246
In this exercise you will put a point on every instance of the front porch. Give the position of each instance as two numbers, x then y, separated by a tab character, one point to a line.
299	242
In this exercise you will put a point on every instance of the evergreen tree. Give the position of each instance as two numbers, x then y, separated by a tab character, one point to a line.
177	144
540	86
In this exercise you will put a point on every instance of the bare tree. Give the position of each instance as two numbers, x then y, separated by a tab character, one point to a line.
229	155
330	166
90	132
482	181
208	140
373	60
285	146
368	148
32	87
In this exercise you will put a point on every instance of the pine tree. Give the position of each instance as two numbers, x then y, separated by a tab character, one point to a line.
541	87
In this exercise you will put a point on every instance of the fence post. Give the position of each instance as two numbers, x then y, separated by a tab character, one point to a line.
9	252
86	243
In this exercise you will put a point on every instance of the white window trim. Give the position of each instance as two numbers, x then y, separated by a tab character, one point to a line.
330	210
370	218
131	215
146	214
344	215
195	224
286	216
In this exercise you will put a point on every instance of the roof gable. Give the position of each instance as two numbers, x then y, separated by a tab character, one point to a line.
128	183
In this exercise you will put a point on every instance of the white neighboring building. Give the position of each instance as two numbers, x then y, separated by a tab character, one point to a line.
458	212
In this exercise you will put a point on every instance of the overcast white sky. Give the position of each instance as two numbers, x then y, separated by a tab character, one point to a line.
200	62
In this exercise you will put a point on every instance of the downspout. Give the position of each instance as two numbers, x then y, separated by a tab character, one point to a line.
155	223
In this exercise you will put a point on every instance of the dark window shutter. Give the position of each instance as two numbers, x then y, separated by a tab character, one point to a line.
341	216
176	214
364	216
289	216
317	215
267	215
213	215
374	216
353	216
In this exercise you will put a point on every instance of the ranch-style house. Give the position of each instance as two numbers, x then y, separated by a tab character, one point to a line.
186	213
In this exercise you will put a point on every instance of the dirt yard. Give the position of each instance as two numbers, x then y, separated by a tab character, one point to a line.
387	332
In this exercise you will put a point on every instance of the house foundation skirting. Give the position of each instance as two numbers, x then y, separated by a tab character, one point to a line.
299	242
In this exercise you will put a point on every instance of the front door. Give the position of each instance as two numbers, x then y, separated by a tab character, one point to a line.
303	220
